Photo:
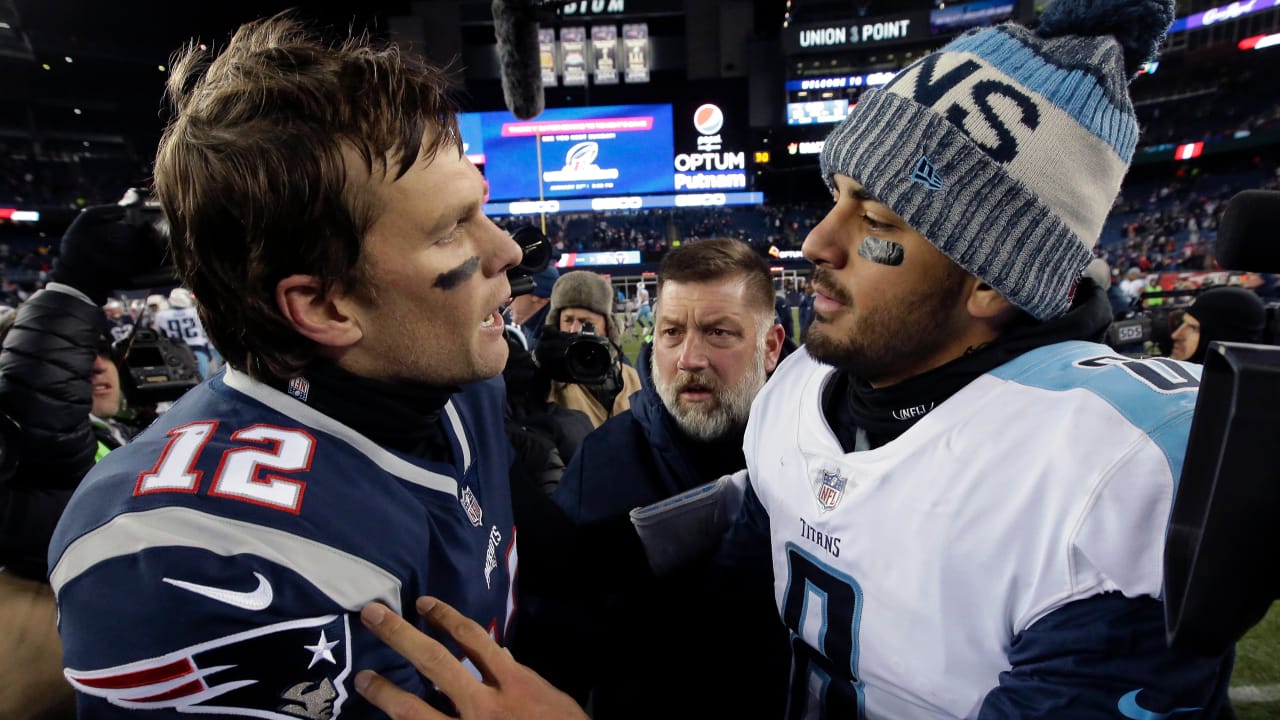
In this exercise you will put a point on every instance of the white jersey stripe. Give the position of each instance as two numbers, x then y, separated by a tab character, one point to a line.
349	581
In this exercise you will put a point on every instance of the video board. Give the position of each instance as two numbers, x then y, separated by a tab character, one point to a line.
573	152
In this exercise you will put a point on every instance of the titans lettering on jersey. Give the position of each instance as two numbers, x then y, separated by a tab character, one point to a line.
214	564
905	572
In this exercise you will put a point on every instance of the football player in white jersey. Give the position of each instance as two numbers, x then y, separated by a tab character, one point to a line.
966	495
181	321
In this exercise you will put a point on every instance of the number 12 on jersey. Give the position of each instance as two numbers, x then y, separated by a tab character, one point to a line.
822	607
244	473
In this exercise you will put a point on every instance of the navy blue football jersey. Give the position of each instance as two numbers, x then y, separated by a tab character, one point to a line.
218	563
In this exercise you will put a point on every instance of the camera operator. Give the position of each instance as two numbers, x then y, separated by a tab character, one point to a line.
586	368
55	377
1227	314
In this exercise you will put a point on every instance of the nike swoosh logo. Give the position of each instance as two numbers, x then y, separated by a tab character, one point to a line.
257	599
1129	707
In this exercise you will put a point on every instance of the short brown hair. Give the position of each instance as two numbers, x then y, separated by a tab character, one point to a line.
716	259
252	177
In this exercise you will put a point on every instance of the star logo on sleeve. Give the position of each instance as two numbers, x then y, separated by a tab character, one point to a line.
321	651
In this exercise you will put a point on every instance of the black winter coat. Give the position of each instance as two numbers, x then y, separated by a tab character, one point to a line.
703	642
46	369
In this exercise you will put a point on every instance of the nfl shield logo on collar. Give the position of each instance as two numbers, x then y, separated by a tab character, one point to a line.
299	388
830	488
472	506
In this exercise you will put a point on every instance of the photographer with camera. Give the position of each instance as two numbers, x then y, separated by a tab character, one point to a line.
58	389
1226	314
586	368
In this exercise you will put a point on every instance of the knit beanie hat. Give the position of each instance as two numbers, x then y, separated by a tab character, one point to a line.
1006	148
544	281
1229	314
589	291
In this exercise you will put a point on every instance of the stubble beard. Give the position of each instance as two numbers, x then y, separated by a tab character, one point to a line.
880	345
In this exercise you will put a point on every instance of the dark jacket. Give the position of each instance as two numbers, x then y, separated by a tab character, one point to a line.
46	368
707	635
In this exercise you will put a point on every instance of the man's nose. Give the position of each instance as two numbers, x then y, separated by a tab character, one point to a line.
692	355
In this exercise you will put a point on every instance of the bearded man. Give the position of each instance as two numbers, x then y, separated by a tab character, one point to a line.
715	343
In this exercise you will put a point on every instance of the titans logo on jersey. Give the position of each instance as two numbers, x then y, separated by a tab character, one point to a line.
225	675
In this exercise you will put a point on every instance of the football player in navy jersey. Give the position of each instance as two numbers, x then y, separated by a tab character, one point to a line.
353	450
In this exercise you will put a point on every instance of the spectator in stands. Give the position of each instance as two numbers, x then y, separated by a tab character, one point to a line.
806	309
1151	291
715	344
1100	273
1133	283
581	298
1229	314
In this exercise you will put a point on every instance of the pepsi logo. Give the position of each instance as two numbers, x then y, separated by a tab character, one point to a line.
708	119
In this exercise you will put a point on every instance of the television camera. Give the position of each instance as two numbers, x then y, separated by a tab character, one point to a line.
583	357
1219	569
154	368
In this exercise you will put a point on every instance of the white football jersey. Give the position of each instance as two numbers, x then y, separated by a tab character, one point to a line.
182	324
908	569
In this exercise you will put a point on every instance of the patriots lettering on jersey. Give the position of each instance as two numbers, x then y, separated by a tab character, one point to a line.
491	555
827	542
224	675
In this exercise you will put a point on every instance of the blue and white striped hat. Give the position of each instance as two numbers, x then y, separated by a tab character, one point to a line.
1006	148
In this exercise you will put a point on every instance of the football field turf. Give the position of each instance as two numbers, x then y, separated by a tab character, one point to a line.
1255	683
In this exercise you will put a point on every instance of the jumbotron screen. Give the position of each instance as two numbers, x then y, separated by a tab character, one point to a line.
585	151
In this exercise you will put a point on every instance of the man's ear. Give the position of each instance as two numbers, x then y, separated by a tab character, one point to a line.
986	303
323	318
773	346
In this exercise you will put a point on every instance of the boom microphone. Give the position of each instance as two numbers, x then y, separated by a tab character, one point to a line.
1248	239
515	23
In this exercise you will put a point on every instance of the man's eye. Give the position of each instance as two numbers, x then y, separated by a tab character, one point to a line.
873	224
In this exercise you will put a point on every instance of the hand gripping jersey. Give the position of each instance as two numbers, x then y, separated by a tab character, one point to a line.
218	563
905	571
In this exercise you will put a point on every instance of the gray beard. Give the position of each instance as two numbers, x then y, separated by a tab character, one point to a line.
727	411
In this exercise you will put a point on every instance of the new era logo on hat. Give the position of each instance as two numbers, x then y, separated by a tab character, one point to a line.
926	174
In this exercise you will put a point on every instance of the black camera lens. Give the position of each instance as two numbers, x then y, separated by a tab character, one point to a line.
589	360
536	249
